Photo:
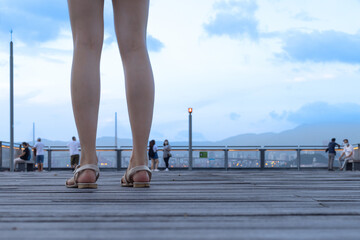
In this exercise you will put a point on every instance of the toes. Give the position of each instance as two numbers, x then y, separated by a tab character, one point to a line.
70	181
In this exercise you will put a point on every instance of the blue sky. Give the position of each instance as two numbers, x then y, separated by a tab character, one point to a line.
244	66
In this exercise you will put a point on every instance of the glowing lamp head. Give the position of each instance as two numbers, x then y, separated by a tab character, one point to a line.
190	110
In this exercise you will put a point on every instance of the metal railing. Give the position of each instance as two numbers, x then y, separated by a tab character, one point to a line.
204	157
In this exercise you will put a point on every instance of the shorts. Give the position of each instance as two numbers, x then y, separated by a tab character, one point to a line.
155	156
74	159
39	158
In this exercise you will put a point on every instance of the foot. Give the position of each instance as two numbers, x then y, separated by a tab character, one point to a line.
141	176
156	170
86	176
166	169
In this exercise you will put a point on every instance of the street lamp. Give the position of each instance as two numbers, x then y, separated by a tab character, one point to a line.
11	163
190	110
116	138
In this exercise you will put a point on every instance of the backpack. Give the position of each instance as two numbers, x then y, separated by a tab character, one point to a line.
151	153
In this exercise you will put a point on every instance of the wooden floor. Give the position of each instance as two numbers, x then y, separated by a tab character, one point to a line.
184	205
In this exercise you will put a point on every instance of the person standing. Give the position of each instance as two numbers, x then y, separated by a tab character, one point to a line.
87	25
25	156
347	154
153	155
39	149
166	154
332	153
74	152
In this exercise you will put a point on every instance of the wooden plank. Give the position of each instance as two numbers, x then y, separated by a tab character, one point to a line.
183	205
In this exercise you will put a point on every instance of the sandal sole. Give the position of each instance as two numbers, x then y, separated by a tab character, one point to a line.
141	184
87	185
126	185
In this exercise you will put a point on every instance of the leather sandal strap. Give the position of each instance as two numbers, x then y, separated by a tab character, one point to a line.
130	173
79	169
124	177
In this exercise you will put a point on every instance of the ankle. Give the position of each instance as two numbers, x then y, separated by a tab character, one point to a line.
135	161
88	159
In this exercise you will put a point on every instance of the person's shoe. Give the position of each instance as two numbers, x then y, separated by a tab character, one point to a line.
156	170
166	169
79	169
128	181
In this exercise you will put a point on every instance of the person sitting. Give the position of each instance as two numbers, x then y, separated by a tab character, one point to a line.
25	156
347	154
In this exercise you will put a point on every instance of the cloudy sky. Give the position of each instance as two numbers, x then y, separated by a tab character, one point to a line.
244	66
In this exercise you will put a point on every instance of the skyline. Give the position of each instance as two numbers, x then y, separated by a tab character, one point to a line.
243	66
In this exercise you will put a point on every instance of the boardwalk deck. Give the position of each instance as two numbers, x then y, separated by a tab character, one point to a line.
184	205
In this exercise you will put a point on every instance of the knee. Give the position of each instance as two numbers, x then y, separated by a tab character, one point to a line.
129	46
88	42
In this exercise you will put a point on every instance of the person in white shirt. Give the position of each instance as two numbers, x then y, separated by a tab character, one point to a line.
74	152
39	149
347	154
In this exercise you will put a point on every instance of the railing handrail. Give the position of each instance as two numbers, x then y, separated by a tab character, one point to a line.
262	155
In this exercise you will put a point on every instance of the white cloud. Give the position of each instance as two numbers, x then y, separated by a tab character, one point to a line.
216	76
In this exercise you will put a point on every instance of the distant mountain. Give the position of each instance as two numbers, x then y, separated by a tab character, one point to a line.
315	134
102	141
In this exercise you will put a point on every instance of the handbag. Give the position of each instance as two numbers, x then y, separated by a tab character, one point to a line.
169	155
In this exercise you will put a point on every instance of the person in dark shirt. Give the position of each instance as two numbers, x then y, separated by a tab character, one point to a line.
25	156
332	153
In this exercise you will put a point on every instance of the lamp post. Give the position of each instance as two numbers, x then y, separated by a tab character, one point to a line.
116	138
33	133
11	162
190	110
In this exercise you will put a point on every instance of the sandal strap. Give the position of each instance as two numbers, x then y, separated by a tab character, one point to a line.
125	179
79	169
130	173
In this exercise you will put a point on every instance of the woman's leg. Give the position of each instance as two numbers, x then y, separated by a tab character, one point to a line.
88	29
130	17
166	160
156	163
152	164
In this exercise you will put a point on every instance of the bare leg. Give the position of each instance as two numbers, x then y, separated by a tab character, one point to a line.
152	164
130	18
156	163
88	29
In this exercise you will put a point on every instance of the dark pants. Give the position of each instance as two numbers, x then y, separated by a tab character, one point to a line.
166	160
74	159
